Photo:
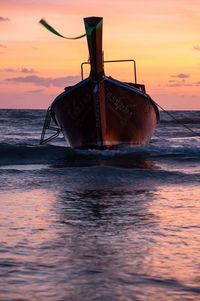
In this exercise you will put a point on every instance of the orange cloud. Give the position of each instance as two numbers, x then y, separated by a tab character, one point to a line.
196	48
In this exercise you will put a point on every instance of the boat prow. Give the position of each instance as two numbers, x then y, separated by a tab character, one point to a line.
101	111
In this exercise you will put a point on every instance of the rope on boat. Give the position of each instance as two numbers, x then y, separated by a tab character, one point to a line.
89	30
178	121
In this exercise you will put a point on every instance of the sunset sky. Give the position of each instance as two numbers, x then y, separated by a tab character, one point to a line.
162	36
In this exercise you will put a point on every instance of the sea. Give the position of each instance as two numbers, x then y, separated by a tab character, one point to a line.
108	225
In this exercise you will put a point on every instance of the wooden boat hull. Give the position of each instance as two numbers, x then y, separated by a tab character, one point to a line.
104	113
101	111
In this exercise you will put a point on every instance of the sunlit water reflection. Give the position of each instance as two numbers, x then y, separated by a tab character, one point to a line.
121	224
101	244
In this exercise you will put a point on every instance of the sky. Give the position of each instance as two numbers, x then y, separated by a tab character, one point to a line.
162	36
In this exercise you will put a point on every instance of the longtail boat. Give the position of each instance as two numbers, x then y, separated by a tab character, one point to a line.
100	111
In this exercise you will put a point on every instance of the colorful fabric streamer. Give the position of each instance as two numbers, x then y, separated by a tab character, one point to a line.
88	30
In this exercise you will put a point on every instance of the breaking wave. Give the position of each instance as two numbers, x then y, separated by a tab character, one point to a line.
124	155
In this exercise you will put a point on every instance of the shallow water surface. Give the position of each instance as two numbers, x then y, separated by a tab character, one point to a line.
122	224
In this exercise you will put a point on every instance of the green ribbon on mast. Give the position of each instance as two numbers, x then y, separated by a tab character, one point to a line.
89	30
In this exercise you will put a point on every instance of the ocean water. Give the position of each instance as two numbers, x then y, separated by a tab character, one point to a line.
120	224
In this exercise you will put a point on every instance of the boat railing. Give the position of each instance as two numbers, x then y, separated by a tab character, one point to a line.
113	61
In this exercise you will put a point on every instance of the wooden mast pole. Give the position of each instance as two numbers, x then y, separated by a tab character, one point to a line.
93	27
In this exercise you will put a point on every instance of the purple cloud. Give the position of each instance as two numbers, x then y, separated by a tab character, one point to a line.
8	70
176	85
25	70
45	81
63	81
176	81
182	84
39	81
36	91
2	19
197	47
172	81
181	75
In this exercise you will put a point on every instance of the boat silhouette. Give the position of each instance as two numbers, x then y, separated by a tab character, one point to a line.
101	111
